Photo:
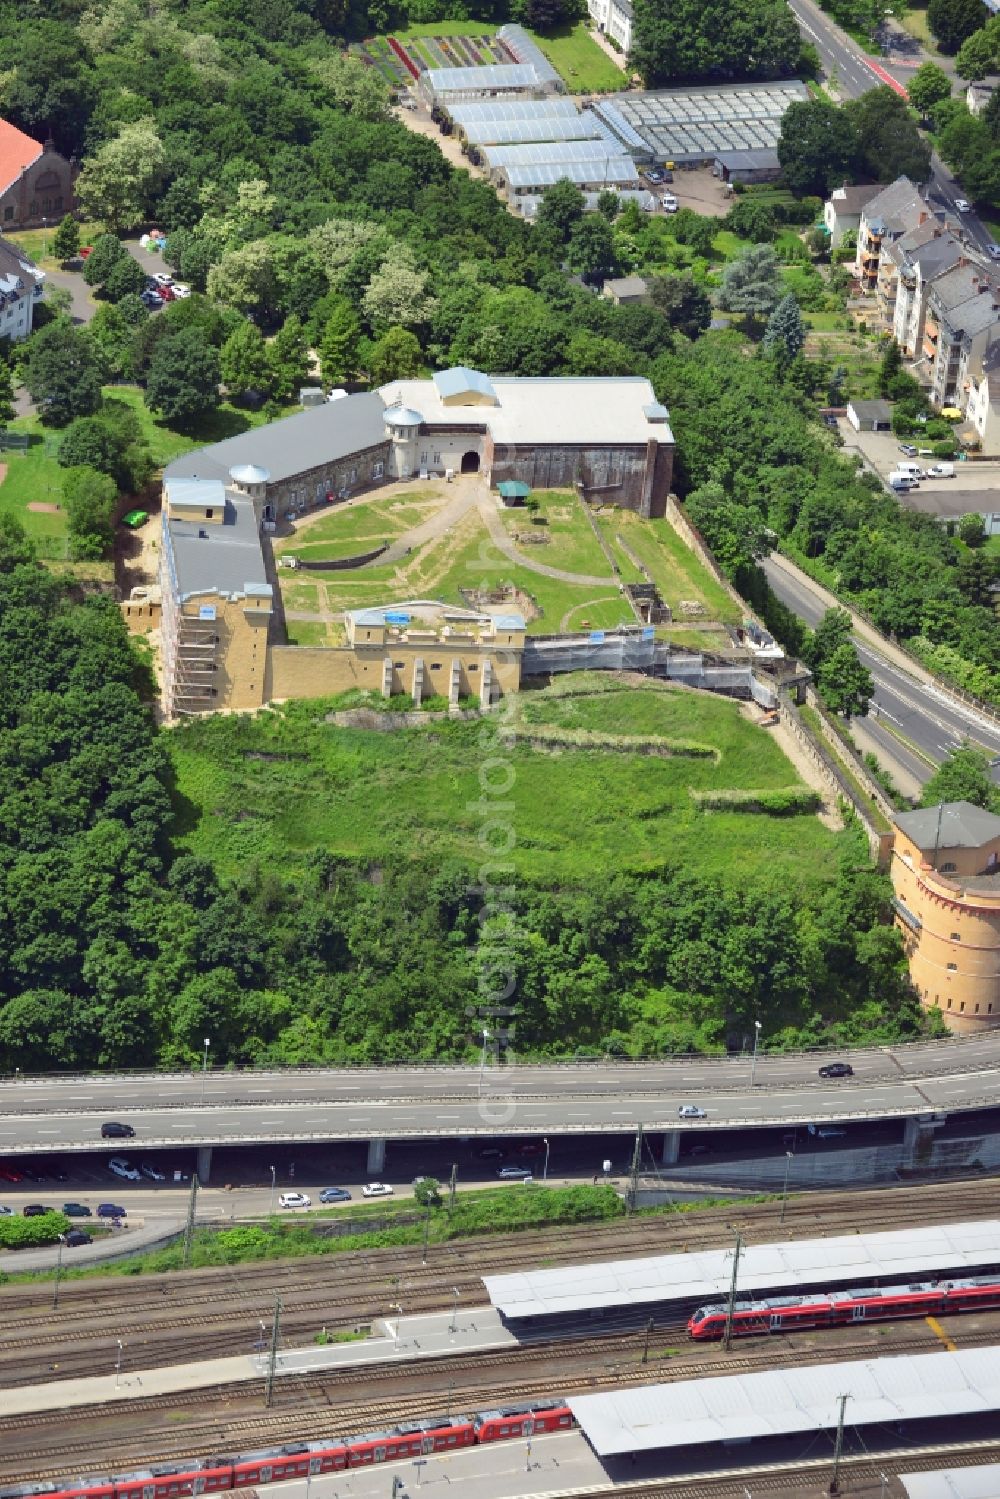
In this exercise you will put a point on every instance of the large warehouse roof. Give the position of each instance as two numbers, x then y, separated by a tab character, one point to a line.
531	155
608	169
851	1259
776	1402
954	1483
695	124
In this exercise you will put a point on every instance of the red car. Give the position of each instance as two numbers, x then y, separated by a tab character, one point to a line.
8	1174
166	293
84	251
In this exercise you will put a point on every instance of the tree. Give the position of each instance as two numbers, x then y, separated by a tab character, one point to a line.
117	184
929	85
979	54
243	360
889	366
684	301
288	358
889	143
395	356
66	240
183	381
338	347
752	218
953	21
844	684
609	204
63	372
107	252
127	279
816	147
89	498
972	530
590	252
962	776
735	532
16	547
427	1192
750	283
785	334
691	40
833	631
562	208
6	394
397	295
244	278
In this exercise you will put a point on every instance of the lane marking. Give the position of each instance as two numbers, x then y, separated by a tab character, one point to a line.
939	1332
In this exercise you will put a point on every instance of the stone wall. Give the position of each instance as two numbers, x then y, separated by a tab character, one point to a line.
340	477
616	475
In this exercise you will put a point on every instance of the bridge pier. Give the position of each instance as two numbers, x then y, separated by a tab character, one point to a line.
376	1157
204	1164
671	1147
918	1139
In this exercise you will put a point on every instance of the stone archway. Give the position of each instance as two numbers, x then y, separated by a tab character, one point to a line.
470	462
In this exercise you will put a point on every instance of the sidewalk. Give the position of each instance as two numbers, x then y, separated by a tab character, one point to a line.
402	1338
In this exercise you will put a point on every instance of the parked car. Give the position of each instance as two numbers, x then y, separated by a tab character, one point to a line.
85	252
5	1211
180	290
993	251
56	1172
962	205
837	1069
76	1237
653	174
489	1153
152	1173
76	1210
31	1173
691	1111
941	471
826	1132
294	1200
151	299
167	293
530	1147
34	1210
120	1167
514	1173
908	449
112	1130
110	1210
10	1174
161	278
902	483
376	1189
335	1194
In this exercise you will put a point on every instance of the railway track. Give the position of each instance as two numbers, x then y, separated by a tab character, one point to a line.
229	1419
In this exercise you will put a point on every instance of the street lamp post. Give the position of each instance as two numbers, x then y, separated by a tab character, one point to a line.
398	1309
753	1063
118	1365
545	1170
482	1060
454	1311
204	1068
784	1190
273	1183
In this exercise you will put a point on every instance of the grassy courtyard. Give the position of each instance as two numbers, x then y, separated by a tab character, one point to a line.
271	788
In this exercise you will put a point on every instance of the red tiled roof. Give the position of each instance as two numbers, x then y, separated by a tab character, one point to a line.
17	151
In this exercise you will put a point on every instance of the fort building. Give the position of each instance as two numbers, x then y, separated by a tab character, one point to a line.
608	438
946	884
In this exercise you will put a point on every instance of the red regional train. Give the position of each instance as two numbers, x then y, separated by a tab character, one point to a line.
218	1475
842	1308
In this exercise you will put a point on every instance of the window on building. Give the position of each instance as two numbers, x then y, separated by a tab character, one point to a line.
956	936
949	1001
962	1007
977	1009
8	214
948	868
376	470
952	967
57	205
398	665
435	666
209	514
435	457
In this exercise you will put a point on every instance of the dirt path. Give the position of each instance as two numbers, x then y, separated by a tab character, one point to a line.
503	543
829	812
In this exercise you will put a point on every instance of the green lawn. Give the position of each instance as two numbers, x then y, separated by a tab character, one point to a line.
580	62
675	569
571	543
271	788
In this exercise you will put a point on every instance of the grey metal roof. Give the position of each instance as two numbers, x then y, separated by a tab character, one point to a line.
963	825
538	152
782	1401
209	558
872	411
402	416
850	1259
759	159
528	204
954	1483
461	380
309	439
608	169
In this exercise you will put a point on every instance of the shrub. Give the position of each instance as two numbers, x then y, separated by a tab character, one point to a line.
30	1233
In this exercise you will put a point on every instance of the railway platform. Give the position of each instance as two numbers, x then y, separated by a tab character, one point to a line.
395	1339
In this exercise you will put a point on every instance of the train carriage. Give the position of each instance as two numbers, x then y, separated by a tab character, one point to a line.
522	1420
843	1308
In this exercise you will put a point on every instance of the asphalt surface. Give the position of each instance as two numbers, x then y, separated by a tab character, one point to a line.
932	722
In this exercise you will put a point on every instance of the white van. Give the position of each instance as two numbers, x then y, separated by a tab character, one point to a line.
941	471
912	469
902	482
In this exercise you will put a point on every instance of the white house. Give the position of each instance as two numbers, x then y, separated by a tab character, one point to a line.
21	285
614	19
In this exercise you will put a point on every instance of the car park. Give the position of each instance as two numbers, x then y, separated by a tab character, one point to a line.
513	1173
376	1189
76	1210
837	1069
110	1210
31	1173
152	1173
335	1194
76	1237
691	1111
902	483
120	1167
654	174
56	1172
34	1210
112	1130
826	1132
294	1200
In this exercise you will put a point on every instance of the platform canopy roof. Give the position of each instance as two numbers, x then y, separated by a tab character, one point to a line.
824	1264
779	1402
954	1483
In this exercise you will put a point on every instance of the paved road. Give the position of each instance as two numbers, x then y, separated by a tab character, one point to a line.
928	718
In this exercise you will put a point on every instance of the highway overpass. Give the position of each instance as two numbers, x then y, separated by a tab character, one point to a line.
43	1116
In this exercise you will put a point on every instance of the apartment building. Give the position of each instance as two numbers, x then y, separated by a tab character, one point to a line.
918	258
946	884
962	321
983	406
614	19
883	219
843	209
21	287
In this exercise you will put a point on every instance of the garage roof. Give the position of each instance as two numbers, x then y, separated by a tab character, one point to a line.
783	1401
849	1259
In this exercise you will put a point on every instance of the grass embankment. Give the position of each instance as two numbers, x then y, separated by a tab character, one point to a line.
843	763
271	788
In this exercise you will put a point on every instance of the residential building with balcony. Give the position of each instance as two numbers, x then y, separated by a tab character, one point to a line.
919	257
883	220
982	408
842	210
946	894
21	287
962	320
